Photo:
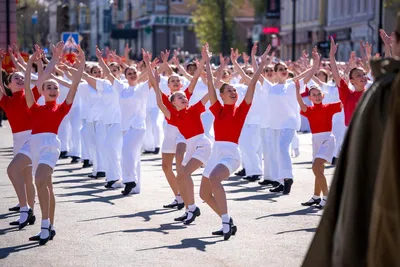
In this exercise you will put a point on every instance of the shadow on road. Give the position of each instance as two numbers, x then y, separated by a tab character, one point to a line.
269	197
150	159
5	252
309	230
163	229
307	211
303	163
146	215
8	215
196	243
9	230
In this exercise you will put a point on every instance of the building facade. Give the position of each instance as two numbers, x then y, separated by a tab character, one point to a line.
8	23
156	25
310	22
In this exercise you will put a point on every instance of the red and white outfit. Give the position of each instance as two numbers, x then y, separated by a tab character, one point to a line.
320	118
172	136
45	145
20	120
133	101
228	124
189	124
349	99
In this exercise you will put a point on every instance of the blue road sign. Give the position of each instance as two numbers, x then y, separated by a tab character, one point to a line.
70	36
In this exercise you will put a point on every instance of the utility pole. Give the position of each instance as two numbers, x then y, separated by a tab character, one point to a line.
294	32
98	23
8	23
168	26
380	26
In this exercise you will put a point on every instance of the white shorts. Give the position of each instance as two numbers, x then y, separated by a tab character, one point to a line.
172	137
21	142
226	153
323	146
45	149
197	147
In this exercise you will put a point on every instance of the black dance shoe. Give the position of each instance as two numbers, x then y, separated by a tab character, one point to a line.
195	213
287	186
31	218
181	218
242	172
45	240
128	188
37	237
75	160
311	202
86	164
277	189
16	208
221	233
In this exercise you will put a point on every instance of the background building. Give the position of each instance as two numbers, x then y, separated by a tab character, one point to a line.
8	22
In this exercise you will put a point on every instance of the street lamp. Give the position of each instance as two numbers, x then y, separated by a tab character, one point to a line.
294	32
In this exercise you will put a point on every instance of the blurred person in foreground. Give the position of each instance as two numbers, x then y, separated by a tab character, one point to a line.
360	224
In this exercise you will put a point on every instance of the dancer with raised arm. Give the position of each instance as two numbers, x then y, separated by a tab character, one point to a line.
225	156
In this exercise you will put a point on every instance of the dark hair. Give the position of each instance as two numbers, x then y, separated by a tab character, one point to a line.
93	68
190	65
291	74
277	66
4	75
397	36
112	64
353	70
312	88
35	67
172	97
129	68
222	88
175	69
325	73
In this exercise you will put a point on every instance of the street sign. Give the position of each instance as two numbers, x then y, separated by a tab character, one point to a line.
70	38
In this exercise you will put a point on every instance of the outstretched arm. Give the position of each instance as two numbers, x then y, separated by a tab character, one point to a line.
30	100
253	56
334	68
211	88
57	51
196	76
252	86
154	79
107	72
77	78
303	106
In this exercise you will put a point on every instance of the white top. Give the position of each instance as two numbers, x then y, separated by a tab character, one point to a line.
281	110
110	101
91	103
253	116
133	102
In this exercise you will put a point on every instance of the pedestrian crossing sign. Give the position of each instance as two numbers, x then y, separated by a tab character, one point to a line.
70	39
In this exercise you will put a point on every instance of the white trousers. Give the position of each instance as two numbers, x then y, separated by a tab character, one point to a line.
76	125
153	129
338	130
249	144
131	150
97	131
207	118
295	141
64	133
85	140
264	149
113	151
305	124
280	162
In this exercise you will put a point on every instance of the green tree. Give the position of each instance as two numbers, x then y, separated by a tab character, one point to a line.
214	23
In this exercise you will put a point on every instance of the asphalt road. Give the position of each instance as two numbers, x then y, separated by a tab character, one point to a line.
99	227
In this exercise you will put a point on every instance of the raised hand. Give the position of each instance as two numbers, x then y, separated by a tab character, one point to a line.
81	55
58	49
146	56
254	49
234	55
368	50
387	40
154	63
165	56
99	53
175	60
264	58
333	47
246	57
127	49
205	54
15	48
10	51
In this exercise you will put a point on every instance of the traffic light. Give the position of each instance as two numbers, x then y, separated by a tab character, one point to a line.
63	18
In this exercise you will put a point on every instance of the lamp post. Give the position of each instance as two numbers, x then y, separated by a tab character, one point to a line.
294	32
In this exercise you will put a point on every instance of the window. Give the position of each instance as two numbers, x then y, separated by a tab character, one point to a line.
176	38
